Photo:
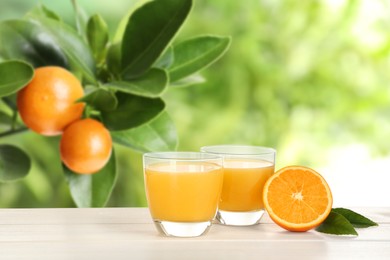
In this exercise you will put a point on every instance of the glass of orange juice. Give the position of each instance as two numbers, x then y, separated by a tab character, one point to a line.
183	190
245	169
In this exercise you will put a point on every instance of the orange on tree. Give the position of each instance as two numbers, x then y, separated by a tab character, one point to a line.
297	198
47	104
85	146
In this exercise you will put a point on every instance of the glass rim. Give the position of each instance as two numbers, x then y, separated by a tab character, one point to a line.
182	156
258	150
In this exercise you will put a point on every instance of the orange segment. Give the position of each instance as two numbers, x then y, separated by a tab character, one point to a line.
297	198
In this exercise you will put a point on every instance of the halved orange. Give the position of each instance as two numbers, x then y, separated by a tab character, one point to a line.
297	198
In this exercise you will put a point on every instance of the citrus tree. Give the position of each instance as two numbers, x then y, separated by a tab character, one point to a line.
123	79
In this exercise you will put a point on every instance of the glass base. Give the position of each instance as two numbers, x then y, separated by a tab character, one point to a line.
234	218
182	229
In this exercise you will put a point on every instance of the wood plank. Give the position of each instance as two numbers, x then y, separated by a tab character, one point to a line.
121	215
179	249
123	233
135	224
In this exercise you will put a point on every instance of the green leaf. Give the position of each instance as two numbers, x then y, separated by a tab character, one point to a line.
336	224
101	99
113	59
157	135
132	111
357	220
44	41
81	18
42	11
120	30
189	81
92	190
10	102
5	119
166	59
195	54
152	84
18	40
14	163
97	35
14	75
148	32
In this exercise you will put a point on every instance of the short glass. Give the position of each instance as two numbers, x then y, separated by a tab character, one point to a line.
183	190
246	169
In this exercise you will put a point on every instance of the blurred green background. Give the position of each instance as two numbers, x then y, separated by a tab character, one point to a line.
310	78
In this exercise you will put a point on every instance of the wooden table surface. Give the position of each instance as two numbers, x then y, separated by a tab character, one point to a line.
128	233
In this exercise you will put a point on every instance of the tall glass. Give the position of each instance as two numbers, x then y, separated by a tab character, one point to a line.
183	190
246	169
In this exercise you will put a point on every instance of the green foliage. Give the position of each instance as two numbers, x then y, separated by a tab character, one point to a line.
194	54
81	18
132	111
43	11
157	135
101	99
149	31
166	59
189	81
14	75
92	190
14	163
126	77
113	59
293	73
152	84
42	41
97	35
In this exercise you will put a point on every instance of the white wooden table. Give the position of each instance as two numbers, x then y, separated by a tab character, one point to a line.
128	233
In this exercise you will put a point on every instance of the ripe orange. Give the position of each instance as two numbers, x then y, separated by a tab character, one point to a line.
85	146
47	104
297	198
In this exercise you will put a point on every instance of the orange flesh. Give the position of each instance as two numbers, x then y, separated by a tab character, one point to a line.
297	199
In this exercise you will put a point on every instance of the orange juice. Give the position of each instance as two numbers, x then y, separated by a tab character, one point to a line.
243	184
183	191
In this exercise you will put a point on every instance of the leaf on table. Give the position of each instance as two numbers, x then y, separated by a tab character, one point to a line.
132	111
14	163
195	54
357	220
151	84
43	41
336	224
92	190
157	135
97	35
101	99
14	75
149	31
